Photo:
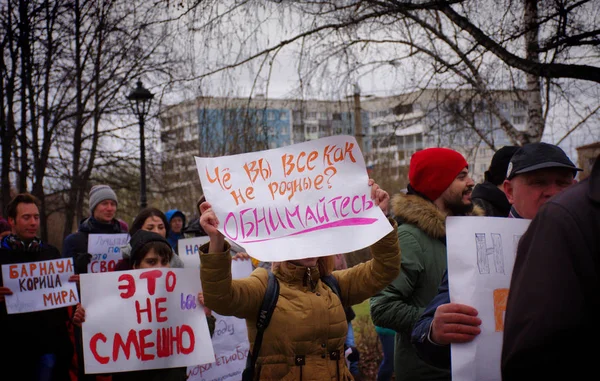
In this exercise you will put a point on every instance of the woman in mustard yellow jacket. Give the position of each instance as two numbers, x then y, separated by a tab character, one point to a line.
306	335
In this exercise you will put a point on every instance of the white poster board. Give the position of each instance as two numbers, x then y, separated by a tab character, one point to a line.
230	341
143	319
481	256
39	286
189	250
106	251
299	201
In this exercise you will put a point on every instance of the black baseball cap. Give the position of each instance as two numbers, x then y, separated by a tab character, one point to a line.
534	156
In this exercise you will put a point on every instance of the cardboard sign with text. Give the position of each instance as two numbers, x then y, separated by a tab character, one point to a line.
189	250
39	286
106	251
305	200
230	341
143	319
481	256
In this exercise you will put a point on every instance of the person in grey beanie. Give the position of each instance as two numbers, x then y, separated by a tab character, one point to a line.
103	208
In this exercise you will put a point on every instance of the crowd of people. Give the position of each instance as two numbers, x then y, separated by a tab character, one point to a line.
549	315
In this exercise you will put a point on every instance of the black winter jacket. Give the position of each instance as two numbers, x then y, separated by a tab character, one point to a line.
491	199
28	336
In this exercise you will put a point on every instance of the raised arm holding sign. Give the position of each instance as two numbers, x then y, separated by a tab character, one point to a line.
305	308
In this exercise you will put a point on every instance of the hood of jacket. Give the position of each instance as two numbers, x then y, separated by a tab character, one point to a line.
489	192
175	212
415	210
93	226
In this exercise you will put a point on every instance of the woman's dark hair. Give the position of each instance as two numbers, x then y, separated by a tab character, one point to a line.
163	250
139	220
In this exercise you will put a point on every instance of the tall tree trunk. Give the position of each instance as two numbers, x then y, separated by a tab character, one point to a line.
74	194
7	122
535	121
25	57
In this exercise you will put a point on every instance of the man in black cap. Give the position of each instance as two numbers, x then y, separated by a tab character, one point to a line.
535	173
490	195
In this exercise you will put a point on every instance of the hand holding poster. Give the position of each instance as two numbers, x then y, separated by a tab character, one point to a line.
481	256
143	319
39	286
106	251
304	200
230	341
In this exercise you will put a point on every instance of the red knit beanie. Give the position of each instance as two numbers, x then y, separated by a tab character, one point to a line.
432	170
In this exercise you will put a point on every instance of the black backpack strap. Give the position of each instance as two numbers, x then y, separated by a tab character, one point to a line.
333	284
262	322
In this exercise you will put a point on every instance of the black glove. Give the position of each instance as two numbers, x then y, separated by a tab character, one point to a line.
82	260
354	355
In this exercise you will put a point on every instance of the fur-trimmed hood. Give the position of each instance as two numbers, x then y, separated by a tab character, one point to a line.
415	210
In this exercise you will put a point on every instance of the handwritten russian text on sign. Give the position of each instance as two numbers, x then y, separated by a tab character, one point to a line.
481	256
106	251
230	341
39	286
305	200
189	250
143	319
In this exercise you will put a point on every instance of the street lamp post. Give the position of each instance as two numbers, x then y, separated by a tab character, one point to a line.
140	100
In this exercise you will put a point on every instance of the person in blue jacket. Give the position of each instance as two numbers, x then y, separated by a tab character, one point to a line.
176	220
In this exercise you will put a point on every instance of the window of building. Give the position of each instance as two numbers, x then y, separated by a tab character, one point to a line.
283	115
270	115
336	116
311	115
323	116
518	119
520	105
403	109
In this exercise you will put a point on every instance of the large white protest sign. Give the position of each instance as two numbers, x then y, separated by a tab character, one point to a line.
143	319
230	341
481	256
106	251
305	200
39	286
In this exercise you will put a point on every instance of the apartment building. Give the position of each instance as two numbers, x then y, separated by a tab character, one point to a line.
392	128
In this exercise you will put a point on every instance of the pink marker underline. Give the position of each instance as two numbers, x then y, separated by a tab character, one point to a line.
335	224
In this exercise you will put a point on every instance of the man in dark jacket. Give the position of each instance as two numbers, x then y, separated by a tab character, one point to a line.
490	195
551	317
536	172
35	345
103	207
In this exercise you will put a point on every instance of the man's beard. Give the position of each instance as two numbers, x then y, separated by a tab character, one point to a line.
457	207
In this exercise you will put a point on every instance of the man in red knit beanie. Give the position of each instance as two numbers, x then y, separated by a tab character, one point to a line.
439	186
441	175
